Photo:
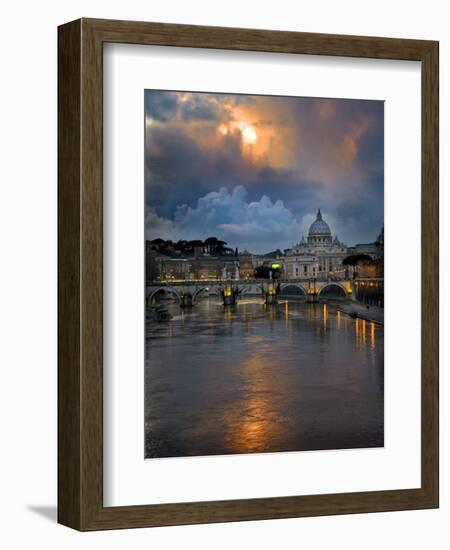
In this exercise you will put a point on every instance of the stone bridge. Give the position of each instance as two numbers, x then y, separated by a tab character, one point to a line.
254	287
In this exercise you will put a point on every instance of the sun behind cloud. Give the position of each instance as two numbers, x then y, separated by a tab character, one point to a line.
307	152
248	134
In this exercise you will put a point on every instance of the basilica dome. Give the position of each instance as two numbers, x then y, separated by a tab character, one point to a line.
319	227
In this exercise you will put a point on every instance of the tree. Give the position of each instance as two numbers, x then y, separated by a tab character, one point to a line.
220	247
262	272
195	244
355	258
211	244
151	267
181	246
267	272
276	272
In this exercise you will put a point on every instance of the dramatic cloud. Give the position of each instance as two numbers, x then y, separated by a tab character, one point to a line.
161	106
229	216
253	170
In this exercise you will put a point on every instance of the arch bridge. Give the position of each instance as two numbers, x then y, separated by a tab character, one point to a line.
311	289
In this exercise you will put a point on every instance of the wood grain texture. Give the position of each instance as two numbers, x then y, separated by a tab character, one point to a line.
80	226
69	247
430	272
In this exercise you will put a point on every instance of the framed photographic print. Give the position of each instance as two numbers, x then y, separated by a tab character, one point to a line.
248	274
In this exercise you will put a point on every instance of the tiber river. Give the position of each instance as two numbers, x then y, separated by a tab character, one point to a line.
252	378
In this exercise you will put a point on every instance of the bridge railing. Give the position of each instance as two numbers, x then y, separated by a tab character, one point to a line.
219	282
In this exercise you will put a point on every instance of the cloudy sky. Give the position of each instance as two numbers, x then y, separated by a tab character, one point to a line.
253	170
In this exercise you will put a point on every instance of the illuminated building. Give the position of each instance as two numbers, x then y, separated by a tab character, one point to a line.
206	268
319	256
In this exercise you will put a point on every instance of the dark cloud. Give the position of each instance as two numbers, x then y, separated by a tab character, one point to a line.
161	106
230	216
310	153
200	108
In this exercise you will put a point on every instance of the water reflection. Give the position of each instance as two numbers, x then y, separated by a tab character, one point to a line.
253	425
256	378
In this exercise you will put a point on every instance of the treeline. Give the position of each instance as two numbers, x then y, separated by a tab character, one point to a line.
211	246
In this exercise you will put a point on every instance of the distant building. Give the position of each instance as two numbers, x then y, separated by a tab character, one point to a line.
206	268
172	269
320	256
247	264
375	250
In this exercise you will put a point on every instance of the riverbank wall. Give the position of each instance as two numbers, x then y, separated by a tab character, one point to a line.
364	311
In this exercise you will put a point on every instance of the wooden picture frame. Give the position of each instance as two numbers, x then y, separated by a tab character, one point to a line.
80	272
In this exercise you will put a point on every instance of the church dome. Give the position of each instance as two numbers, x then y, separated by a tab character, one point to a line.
319	227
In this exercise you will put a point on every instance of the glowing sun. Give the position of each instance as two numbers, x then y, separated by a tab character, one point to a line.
249	134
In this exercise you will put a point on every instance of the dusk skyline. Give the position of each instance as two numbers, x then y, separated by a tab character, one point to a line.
253	170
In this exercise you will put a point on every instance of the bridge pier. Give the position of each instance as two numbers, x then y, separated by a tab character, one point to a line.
229	295
186	299
270	295
353	292
271	299
312	297
312	294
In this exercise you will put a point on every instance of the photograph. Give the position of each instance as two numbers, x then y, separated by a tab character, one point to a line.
264	259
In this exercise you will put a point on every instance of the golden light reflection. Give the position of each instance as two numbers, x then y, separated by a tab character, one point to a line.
270	313
325	315
253	424
361	328
339	320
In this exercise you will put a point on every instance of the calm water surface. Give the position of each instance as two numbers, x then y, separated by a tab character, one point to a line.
254	378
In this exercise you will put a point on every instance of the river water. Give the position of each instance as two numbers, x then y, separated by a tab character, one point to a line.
254	378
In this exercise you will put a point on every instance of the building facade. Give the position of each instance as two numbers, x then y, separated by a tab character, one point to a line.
375	250
320	256
206	268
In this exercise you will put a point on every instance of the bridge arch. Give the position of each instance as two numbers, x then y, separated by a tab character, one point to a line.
344	292
211	290
297	286
250	289
167	290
